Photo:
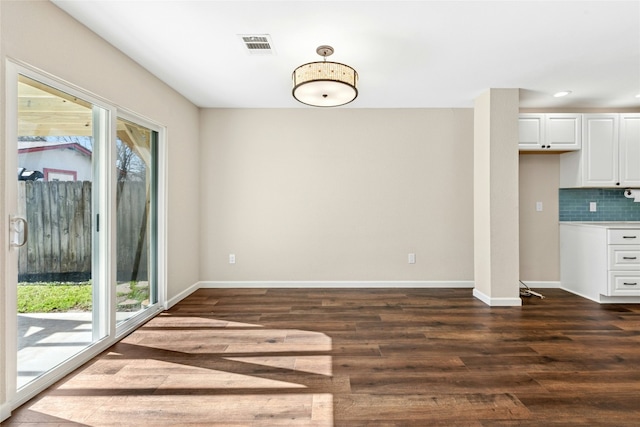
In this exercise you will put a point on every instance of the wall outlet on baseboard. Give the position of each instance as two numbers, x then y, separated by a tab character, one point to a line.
232	258
412	258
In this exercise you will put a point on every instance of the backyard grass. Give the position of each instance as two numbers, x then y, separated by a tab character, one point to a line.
52	297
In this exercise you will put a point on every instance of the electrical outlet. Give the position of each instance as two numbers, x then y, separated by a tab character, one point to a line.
538	206
412	258
593	206
232	258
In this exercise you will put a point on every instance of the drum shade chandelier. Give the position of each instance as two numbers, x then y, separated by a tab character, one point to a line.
325	84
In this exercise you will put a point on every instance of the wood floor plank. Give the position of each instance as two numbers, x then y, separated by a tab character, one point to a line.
429	408
443	383
393	365
359	357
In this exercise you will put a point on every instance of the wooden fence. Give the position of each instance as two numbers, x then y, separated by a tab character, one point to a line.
60	222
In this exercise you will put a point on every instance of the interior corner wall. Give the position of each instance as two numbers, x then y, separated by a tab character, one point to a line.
66	49
336	194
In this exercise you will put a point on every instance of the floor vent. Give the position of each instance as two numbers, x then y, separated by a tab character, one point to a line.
258	44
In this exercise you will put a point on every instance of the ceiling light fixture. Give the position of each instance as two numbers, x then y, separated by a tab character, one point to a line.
325	84
561	93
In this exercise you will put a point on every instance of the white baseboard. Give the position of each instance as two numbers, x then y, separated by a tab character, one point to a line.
182	295
273	284
603	299
333	284
5	411
497	302
542	284
618	300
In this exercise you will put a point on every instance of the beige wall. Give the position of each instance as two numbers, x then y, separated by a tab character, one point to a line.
57	44
539	245
341	194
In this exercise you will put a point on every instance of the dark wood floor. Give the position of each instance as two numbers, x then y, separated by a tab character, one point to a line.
382	357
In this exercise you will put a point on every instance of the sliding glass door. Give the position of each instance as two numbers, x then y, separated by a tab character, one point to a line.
82	182
136	217
55	230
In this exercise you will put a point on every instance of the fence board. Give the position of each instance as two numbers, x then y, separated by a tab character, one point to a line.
54	197
88	223
22	212
34	218
74	229
46	227
63	225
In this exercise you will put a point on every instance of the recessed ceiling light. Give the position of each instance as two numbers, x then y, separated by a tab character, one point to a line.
638	95
561	93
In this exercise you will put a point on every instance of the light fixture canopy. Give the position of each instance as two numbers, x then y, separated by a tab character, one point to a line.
325	84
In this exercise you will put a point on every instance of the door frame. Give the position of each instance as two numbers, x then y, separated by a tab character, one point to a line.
103	265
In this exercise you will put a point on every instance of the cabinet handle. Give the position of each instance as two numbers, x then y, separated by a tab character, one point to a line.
630	284
629	257
629	237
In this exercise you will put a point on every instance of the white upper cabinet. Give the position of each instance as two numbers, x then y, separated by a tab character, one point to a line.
554	132
600	150
610	155
629	151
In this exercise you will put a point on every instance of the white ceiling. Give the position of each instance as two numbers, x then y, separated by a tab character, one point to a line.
408	54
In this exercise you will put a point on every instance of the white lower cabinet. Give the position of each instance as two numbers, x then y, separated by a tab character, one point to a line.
601	261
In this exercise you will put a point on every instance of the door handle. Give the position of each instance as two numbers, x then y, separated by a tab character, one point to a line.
17	226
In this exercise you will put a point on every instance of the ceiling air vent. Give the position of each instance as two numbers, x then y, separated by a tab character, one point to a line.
258	44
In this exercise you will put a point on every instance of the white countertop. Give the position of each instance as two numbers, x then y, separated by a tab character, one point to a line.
603	224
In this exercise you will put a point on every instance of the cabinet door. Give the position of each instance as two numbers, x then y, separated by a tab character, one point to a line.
600	150
562	131
630	150
531	131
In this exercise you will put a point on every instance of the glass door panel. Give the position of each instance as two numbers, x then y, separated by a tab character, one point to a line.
57	305
136	287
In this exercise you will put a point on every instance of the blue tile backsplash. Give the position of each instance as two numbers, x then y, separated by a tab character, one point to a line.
611	205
